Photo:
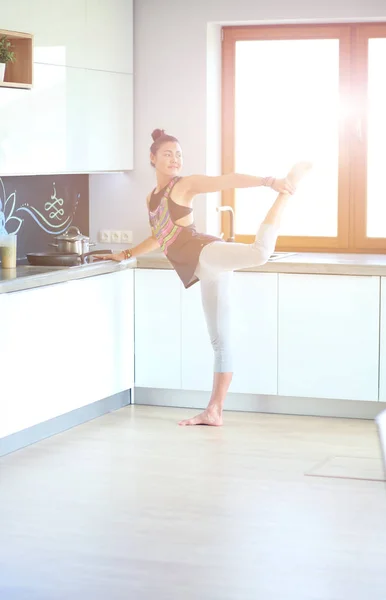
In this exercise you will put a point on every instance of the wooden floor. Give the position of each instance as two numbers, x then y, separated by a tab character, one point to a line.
131	507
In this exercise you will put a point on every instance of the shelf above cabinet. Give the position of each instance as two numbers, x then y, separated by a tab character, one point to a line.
19	73
12	84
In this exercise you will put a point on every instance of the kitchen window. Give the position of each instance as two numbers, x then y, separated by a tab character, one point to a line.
308	93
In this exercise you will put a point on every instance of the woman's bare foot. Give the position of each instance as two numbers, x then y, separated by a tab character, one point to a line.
210	416
298	171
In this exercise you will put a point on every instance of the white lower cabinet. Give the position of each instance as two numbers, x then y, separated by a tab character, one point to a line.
7	360
382	358
102	320
293	335
37	380
65	346
328	336
254	336
157	312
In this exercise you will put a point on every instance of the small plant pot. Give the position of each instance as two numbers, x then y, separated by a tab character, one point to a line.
2	71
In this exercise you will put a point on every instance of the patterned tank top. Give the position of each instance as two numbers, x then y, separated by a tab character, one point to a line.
163	228
181	244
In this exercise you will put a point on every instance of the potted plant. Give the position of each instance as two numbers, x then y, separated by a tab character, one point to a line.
6	55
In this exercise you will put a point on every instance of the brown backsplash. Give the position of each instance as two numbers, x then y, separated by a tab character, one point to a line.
42	206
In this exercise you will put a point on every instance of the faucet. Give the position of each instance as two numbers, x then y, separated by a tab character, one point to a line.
229	209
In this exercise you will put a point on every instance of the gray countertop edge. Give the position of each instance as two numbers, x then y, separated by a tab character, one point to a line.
301	263
24	280
305	269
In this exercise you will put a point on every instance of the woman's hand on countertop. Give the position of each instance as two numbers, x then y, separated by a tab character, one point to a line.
118	257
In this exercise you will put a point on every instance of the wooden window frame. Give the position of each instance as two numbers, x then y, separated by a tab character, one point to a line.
352	205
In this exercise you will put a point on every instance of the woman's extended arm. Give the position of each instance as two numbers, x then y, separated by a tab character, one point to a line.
201	184
145	247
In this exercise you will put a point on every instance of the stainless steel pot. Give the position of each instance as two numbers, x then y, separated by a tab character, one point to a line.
72	242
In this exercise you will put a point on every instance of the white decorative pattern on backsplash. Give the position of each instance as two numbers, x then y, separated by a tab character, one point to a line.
38	207
7	207
57	213
46	222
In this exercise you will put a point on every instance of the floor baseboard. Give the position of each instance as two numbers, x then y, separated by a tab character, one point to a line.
318	407
34	434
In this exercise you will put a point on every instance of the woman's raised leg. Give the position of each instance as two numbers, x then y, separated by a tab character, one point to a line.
220	257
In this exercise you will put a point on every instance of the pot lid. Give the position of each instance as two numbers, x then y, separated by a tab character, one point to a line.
73	235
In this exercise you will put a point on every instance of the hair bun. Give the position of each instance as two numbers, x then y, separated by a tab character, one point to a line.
157	133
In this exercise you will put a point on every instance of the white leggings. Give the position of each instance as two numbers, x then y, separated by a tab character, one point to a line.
217	262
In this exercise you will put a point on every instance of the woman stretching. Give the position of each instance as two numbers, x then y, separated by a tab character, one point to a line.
205	258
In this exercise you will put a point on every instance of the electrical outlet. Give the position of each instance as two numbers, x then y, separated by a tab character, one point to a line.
115	237
126	237
105	236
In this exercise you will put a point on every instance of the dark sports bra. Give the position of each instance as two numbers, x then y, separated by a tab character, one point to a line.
176	210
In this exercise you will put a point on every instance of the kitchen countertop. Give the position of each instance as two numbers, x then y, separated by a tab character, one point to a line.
28	277
299	262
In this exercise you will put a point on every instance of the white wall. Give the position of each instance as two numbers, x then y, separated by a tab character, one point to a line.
171	39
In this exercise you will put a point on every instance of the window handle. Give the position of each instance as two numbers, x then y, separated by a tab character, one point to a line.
358	129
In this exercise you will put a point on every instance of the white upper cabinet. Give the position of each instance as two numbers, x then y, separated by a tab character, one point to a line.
58	27
90	34
71	121
109	121
109	35
78	117
45	130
